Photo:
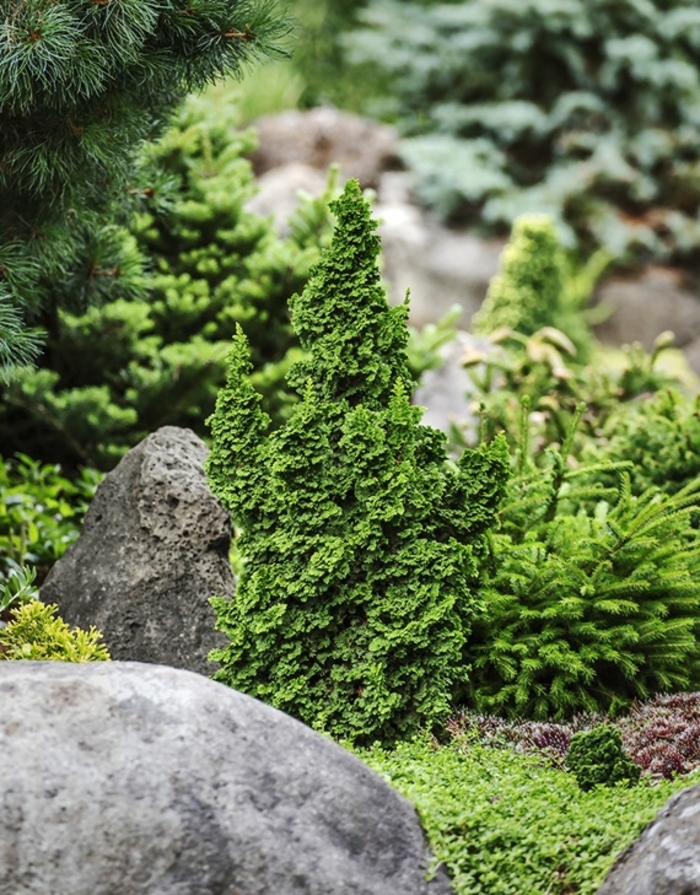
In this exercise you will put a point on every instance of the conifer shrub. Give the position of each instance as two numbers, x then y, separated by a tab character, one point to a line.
587	112
537	287
596	757
592	592
359	540
81	87
660	437
117	372
35	631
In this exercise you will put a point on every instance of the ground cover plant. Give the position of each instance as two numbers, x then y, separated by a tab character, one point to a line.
506	824
585	112
359	540
661	735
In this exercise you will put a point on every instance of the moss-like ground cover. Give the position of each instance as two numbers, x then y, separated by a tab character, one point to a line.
509	824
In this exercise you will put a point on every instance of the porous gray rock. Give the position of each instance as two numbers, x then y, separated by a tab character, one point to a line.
152	551
665	859
144	780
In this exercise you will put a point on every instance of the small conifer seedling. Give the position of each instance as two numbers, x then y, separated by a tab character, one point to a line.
359	538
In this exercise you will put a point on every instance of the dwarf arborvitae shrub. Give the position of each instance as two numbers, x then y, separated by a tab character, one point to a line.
36	632
596	757
588	112
592	593
359	540
82	85
119	371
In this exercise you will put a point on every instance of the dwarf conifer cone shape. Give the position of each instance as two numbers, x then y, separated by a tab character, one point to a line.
359	538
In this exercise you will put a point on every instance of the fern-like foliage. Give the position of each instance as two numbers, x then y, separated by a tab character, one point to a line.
359	540
592	593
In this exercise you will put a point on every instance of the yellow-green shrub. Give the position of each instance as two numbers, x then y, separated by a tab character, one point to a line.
35	631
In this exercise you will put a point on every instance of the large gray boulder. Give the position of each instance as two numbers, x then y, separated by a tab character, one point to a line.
143	780
153	550
665	860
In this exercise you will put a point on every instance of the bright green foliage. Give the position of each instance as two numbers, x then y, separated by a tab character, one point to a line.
359	540
587	112
660	437
82	85
40	514
508	824
15	589
597	757
592	593
36	632
536	287
541	371
117	372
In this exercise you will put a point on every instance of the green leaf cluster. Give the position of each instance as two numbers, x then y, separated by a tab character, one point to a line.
596	758
82	85
36	632
41	511
659	436
359	540
537	287
118	371
587	112
505	824
542	350
592	592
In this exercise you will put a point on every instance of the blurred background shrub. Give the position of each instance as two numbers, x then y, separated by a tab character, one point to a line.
587	112
114	374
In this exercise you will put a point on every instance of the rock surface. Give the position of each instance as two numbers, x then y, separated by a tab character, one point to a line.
153	549
319	137
144	780
440	265
665	860
646	304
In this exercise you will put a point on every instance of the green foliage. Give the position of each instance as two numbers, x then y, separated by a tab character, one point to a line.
40	514
359	540
596	757
81	88
16	588
36	632
660	437
537	288
541	371
119	371
592	592
587	112
508	824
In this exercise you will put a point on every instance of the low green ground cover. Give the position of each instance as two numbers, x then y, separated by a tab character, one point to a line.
504	823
